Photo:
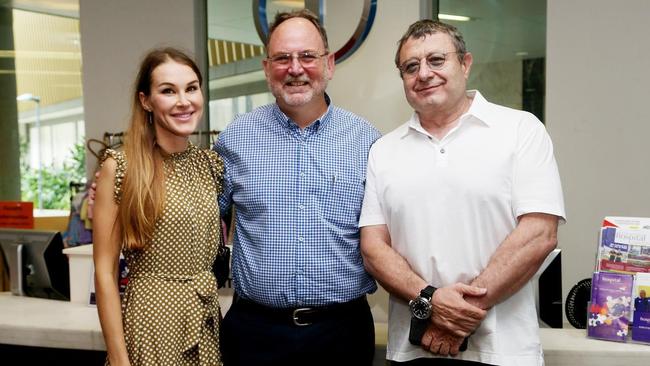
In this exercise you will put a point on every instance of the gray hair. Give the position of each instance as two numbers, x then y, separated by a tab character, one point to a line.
426	27
302	13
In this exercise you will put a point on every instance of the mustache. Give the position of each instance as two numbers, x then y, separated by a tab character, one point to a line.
426	85
291	79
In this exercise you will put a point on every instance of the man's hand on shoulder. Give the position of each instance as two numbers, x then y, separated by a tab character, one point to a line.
453	314
93	190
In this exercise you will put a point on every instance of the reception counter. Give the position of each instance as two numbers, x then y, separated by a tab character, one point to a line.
37	322
571	347
26	321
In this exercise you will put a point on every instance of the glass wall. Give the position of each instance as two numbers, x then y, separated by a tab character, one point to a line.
508	41
46	68
235	52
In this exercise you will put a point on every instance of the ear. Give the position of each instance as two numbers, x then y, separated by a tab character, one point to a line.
467	64
144	101
330	65
266	65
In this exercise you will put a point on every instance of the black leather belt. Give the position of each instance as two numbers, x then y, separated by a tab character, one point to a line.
304	315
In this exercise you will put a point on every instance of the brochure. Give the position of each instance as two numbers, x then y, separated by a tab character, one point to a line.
624	245
611	306
641	318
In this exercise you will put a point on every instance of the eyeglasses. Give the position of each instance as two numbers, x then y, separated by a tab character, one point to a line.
306	58
435	61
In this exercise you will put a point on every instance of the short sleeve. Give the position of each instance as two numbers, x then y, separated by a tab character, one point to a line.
120	159
371	212
537	186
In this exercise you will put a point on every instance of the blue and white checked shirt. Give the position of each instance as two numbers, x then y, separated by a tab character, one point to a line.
297	197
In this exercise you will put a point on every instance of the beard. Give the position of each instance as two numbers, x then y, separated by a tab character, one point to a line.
296	99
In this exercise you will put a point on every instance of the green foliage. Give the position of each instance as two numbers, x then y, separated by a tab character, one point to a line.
55	180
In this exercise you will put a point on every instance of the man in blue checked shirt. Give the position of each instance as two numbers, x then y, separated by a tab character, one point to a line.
295	173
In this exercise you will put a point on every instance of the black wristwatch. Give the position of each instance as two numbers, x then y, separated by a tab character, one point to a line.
420	314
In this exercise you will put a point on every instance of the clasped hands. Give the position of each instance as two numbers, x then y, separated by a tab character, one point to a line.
453	318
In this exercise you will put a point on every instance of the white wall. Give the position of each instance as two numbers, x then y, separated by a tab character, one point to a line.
596	95
115	35
367	83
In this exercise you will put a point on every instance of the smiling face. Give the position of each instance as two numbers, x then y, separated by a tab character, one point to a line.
176	101
295	84
440	90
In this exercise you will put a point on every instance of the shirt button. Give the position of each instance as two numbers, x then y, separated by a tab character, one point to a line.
302	174
442	151
301	207
301	239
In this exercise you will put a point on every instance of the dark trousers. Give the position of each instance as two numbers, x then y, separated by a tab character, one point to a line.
438	362
252	337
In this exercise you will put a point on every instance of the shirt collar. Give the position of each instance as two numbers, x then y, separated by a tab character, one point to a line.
316	125
478	111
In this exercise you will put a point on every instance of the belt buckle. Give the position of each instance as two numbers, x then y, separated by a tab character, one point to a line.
295	314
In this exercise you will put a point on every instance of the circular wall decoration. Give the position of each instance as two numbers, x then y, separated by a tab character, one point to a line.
317	7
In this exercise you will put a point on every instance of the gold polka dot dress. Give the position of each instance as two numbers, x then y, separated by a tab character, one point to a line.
170	307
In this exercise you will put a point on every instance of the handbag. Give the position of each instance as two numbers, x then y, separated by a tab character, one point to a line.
221	265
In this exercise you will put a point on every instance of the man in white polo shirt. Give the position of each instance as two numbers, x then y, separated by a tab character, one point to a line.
461	207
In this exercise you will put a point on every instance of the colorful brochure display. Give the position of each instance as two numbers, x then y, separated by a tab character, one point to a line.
611	306
624	245
620	289
641	318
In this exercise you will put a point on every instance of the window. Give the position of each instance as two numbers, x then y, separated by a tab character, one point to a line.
46	70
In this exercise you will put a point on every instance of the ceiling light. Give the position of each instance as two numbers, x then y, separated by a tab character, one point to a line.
521	53
28	96
289	3
458	18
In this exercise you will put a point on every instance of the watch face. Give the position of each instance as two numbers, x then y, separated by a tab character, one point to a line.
420	308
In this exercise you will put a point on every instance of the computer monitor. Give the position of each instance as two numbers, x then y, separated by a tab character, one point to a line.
547	283
37	265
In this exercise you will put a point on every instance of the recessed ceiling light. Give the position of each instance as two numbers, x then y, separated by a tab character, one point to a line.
458	18
521	53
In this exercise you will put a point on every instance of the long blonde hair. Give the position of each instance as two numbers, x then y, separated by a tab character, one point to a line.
143	188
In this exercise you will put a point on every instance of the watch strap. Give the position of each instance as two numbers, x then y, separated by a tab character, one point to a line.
416	331
427	292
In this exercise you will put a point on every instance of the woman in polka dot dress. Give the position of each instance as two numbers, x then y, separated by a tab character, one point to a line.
157	204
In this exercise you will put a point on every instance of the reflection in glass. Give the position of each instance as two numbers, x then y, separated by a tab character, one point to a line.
47	58
235	53
508	41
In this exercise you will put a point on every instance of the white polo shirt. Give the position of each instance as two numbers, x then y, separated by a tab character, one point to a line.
449	203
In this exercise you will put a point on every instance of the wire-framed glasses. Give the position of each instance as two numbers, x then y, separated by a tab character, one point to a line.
306	58
434	61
